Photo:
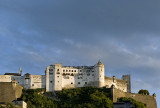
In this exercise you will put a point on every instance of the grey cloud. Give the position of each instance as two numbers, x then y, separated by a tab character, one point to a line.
123	34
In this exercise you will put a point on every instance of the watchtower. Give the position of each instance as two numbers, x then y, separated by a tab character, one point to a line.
99	74
128	79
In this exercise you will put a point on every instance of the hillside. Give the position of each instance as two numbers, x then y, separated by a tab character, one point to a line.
89	97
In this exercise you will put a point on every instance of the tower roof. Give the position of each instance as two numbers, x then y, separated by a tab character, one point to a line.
99	62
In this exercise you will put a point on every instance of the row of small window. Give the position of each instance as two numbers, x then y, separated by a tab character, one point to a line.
72	74
58	82
79	83
76	74
75	71
65	70
70	70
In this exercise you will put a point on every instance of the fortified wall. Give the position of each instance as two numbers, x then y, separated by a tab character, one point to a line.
119	84
149	100
10	91
59	77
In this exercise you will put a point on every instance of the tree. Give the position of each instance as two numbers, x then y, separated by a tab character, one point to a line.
144	92
29	104
136	104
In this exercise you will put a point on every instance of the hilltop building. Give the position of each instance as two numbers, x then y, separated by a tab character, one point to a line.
58	77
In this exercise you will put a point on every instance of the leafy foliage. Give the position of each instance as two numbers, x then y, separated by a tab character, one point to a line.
35	99
136	104
144	92
7	105
89	97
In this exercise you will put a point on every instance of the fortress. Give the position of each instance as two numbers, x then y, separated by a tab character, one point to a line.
58	77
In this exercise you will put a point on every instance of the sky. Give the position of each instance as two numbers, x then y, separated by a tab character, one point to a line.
123	34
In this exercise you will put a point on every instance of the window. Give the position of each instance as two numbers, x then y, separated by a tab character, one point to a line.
32	84
74	70
57	69
63	70
78	82
50	69
71	82
58	81
85	82
57	76
51	73
92	74
66	70
50	81
27	75
80	70
69	70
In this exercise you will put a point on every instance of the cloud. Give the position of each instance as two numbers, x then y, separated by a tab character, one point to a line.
124	35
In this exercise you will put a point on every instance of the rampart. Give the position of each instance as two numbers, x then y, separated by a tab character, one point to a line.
120	84
10	91
150	101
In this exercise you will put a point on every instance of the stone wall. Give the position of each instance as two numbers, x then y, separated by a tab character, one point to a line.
119	84
150	101
20	80
5	78
9	91
37	81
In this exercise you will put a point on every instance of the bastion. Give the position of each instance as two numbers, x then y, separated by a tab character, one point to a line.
10	91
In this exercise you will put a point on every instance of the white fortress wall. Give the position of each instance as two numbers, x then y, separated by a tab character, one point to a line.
78	76
19	79
43	81
36	81
47	78
58	77
5	78
51	82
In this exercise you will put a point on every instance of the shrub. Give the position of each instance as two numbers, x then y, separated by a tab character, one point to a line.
144	92
136	104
